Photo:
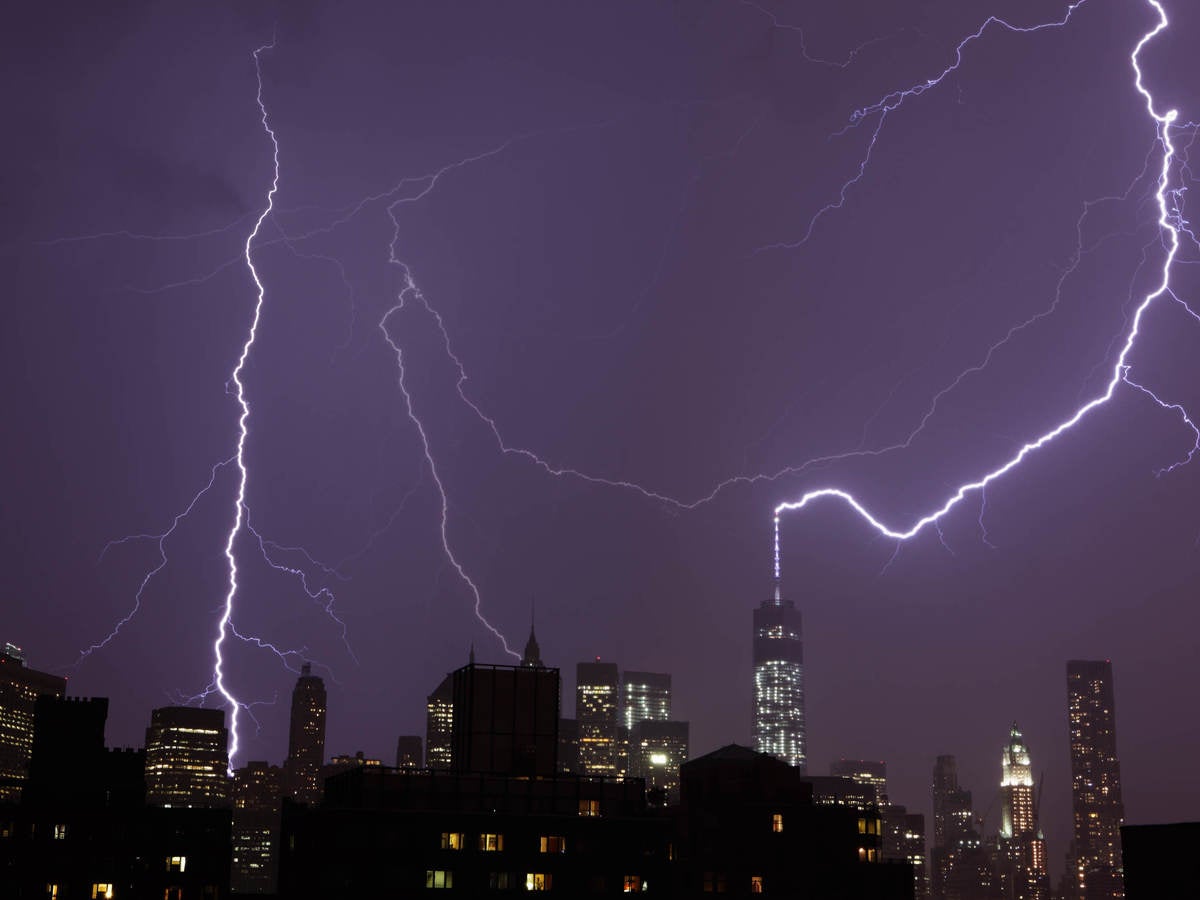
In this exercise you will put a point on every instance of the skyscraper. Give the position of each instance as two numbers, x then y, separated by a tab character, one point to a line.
779	682
439	725
19	689
1021	842
657	749
187	757
596	686
954	838
257	789
869	773
505	719
408	751
645	696
306	738
1095	781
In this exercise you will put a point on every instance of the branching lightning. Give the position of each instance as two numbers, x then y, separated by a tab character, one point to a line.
1168	221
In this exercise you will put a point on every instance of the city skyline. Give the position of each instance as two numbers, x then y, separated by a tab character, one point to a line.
586	262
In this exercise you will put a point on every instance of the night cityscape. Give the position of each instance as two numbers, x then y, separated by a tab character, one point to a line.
633	447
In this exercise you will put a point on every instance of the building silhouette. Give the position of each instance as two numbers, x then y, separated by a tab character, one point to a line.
20	687
868	773
187	758
409	752
657	749
505	719
306	738
1095	858
959	868
596	687
645	696
903	838
779	727
1022	849
257	792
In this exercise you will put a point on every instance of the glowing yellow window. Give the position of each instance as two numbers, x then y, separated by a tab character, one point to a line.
756	884
60	832
52	892
777	822
453	840
553	843
633	884
439	878
102	891
491	842
176	863
537	881
589	807
862	826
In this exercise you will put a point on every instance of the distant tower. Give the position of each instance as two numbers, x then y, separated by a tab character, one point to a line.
779	680
1020	838
955	841
532	659
868	773
645	696
1095	781
439	725
187	759
306	738
596	685
19	689
408	751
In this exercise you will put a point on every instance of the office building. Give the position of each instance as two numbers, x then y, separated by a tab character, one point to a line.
187	758
645	696
439	725
1095	857
505	719
956	847
657	749
568	746
868	773
306	738
20	687
408	752
903	839
596	687
779	682
257	792
1021	846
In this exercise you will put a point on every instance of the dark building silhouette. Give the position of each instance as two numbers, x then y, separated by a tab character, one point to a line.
408	752
187	758
837	790
532	657
568	746
779	721
1160	861
953	824
904	839
870	774
439	725
596	692
257	798
20	686
505	719
1095	856
747	824
83	829
306	737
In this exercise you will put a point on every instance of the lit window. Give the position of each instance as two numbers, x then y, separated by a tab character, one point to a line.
52	892
862	854
439	878
537	881
633	884
176	863
872	855
777	822
173	893
756	884
553	843
102	891
658	759
453	840
589	807
491	842
60	832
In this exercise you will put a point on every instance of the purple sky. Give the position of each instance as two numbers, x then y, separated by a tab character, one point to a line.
597	273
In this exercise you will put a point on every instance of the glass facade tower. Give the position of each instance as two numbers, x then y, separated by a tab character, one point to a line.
779	682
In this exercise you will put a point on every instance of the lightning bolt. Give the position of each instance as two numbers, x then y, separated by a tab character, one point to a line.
1169	224
240	513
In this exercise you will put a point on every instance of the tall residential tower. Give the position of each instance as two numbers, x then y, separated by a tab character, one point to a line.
1095	781
306	738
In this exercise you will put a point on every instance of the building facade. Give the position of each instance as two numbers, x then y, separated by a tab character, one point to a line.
779	722
439	726
1022	848
20	687
958	867
869	773
306	738
645	696
596	692
187	758
657	749
1095	857
409	753
505	719
257	793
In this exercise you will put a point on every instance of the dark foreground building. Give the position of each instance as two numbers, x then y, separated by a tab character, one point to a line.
1161	861
83	830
